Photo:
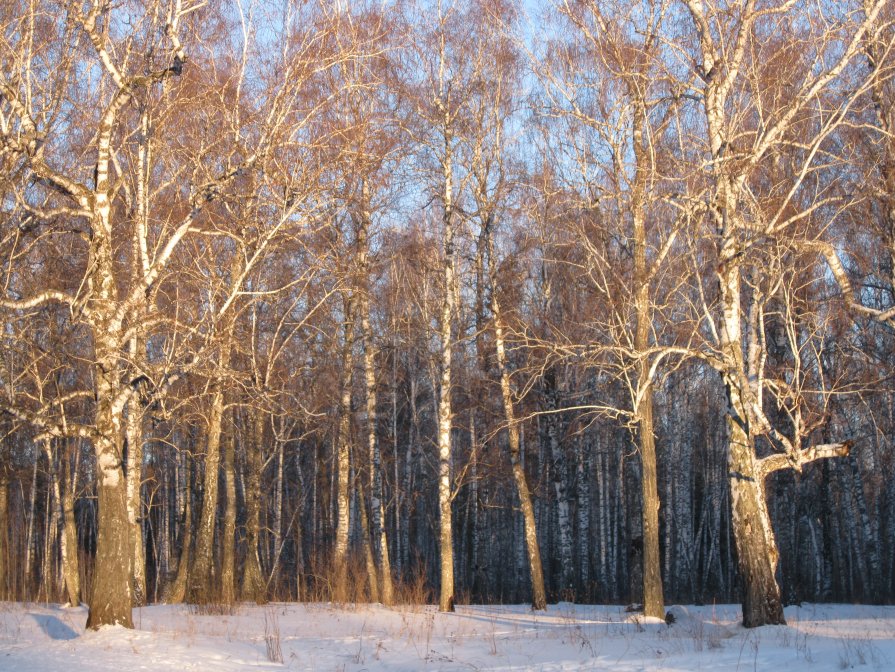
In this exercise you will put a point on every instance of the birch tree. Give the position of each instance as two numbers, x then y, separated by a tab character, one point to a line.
33	132
435	82
609	87
746	123
491	112
139	60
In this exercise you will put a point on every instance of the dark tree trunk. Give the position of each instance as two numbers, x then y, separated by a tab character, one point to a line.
201	582
253	586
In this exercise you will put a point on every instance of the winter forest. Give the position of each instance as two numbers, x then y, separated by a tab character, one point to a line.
448	301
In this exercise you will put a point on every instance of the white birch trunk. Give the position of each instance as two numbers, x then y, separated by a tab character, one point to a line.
29	536
445	413
560	487
134	429
343	460
70	563
64	514
377	506
49	578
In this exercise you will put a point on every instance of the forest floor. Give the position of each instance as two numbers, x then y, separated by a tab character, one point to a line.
44	638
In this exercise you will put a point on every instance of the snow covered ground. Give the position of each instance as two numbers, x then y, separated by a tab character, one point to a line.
43	638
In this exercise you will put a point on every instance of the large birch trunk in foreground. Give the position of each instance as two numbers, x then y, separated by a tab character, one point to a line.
653	601
743	215
755	544
201	576
112	596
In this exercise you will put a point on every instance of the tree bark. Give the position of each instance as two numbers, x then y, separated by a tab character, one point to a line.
68	539
582	474
201	576
228	560
112	596
367	534
134	430
445	413
536	571
343	459
252	586
560	485
653	601
377	506
27	570
756	548
176	591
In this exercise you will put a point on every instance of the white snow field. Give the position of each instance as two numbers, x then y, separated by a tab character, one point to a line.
44	638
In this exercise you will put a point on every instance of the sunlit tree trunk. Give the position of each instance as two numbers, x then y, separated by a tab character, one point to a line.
445	413
134	430
27	569
367	542
49	578
343	458
228	560
201	574
398	489
137	353
377	505
112	597
560	483
176	591
756	548
68	540
653	602
735	208
536	571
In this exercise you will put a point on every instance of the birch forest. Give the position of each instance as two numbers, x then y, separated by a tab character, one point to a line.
447	301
